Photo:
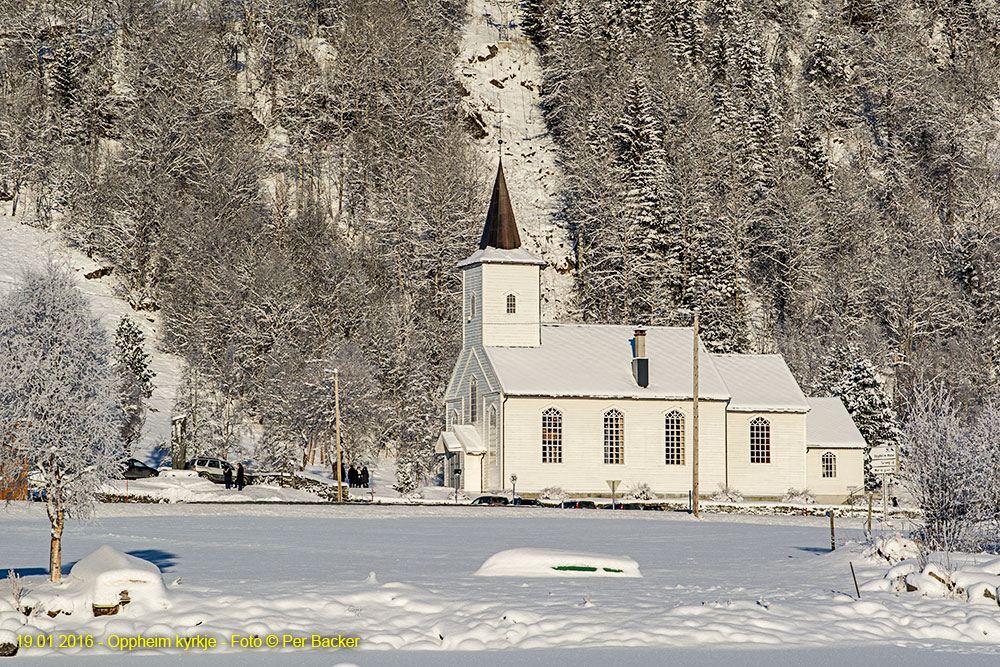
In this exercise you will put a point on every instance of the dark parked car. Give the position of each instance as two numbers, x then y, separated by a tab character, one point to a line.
136	469
578	504
526	502
623	506
491	500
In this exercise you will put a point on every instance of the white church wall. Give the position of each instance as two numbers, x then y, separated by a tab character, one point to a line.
503	329
472	320
583	469
787	469
850	471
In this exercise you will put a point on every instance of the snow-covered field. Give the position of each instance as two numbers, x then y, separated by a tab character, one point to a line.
723	590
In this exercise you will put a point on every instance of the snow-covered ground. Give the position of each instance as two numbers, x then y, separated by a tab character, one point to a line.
23	247
503	83
723	590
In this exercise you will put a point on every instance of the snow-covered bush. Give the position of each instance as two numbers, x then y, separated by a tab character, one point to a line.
554	493
951	469
639	491
799	497
727	494
60	415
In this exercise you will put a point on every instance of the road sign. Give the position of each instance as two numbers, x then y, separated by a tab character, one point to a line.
613	483
883	460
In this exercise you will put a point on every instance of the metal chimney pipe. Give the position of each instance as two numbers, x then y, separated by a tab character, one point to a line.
640	343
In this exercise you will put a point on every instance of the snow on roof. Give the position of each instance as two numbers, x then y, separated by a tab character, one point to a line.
468	435
830	425
492	255
461	437
596	361
760	382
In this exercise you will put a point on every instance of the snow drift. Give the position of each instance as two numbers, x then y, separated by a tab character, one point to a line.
104	579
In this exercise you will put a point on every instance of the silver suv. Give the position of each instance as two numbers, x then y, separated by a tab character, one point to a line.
212	469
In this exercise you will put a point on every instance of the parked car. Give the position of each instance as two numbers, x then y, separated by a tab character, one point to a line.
623	506
136	469
491	500
526	502
215	469
578	504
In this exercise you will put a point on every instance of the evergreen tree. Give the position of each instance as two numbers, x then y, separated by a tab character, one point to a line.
847	374
644	242
135	377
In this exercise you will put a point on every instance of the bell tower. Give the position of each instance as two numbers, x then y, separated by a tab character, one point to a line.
501	293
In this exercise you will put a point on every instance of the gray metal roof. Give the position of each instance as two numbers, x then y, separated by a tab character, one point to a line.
760	383
580	360
828	424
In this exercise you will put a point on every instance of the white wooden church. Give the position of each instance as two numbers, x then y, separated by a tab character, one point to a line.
572	405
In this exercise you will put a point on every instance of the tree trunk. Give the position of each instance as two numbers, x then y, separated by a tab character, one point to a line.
58	520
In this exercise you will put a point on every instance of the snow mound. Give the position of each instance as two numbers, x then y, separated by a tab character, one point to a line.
895	548
170	472
101	579
529	562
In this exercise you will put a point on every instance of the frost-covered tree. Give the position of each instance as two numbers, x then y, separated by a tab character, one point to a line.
943	471
59	408
847	374
135	377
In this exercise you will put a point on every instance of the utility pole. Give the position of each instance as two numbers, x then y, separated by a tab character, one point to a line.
694	430
336	403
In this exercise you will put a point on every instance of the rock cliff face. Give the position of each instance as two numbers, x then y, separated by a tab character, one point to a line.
500	83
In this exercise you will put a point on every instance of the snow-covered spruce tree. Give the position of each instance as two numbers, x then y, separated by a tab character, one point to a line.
59	409
848	375
135	377
638	155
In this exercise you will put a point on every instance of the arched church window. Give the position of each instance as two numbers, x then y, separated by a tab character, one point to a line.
673	438
552	436
493	433
511	304
614	437
473	400
472	306
829	465
760	441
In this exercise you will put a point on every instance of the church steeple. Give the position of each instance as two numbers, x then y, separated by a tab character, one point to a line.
501	229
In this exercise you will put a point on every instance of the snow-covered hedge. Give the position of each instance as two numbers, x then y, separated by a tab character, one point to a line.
799	496
727	494
640	491
555	493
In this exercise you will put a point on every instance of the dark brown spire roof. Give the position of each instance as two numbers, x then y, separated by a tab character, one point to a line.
501	230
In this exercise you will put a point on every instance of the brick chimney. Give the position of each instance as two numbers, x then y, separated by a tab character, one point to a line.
640	364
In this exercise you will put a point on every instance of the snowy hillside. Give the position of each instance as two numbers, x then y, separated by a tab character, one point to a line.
501	84
23	247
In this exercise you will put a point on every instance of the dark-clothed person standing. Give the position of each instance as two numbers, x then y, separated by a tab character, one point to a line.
364	476
240	478
227	477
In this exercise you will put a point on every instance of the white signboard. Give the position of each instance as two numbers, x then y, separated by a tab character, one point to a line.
883	460
613	483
